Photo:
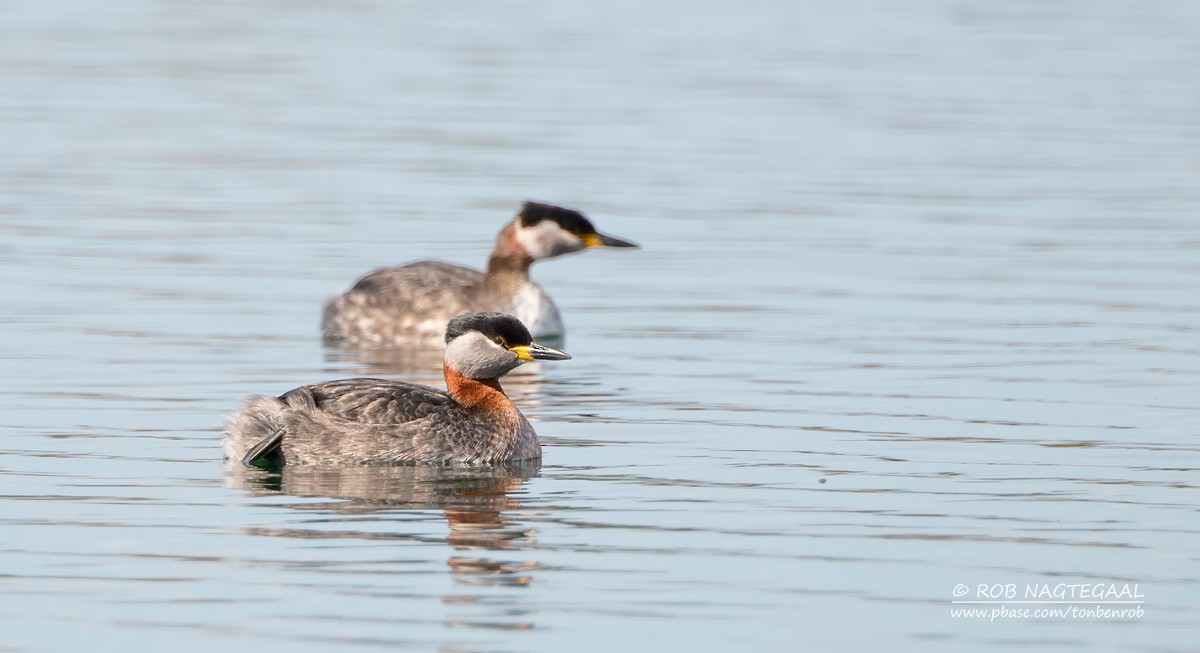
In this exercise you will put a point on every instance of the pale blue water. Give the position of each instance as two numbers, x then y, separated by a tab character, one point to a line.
916	307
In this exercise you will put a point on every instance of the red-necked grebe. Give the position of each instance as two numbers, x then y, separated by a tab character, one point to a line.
410	304
379	422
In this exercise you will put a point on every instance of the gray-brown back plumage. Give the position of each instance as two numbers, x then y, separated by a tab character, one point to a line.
377	422
368	421
407	304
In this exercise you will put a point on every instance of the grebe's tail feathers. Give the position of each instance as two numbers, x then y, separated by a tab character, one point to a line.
254	434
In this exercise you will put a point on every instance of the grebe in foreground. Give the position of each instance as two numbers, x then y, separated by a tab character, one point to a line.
410	304
378	422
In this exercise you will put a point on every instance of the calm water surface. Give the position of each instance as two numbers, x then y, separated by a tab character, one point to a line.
916	307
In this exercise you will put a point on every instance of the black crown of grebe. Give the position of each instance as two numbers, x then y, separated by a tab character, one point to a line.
379	422
410	304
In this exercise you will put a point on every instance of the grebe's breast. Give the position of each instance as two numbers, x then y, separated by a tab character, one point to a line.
530	304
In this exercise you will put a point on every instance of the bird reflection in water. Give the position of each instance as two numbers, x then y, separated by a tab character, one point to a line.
476	501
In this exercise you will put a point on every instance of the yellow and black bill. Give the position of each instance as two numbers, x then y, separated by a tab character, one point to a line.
604	240
539	352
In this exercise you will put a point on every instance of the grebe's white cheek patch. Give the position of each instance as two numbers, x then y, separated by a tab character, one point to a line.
474	356
547	239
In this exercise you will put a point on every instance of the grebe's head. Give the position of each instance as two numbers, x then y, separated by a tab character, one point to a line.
546	231
490	345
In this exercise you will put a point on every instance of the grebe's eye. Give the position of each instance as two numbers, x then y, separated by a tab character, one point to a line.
499	340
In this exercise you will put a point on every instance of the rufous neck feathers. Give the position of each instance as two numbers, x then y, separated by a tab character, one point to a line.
509	256
477	394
